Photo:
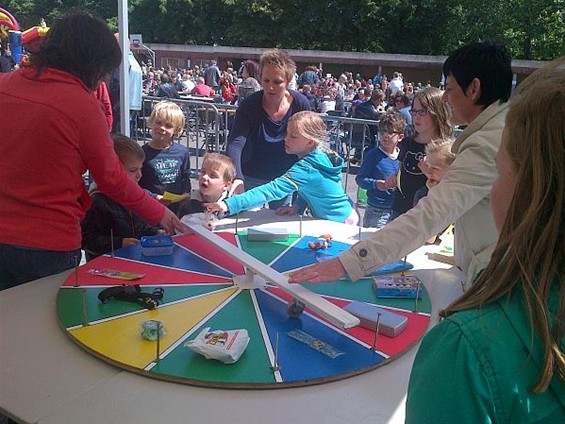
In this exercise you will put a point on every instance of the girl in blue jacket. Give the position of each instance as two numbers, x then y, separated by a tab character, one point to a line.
316	177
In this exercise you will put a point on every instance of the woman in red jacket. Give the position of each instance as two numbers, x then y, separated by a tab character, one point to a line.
54	130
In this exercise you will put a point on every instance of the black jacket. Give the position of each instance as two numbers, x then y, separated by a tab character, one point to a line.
105	215
367	111
167	89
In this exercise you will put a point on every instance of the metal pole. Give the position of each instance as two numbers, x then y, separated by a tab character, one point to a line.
123	39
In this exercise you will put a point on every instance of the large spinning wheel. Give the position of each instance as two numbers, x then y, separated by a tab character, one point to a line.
199	292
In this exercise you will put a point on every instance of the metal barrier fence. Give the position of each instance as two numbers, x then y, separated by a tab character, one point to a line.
350	138
208	124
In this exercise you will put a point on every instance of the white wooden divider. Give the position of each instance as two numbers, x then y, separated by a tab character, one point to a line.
328	310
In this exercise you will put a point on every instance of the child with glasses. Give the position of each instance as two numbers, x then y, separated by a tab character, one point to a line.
431	119
380	163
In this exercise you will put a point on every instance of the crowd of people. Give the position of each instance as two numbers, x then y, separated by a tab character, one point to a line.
501	181
348	95
326	93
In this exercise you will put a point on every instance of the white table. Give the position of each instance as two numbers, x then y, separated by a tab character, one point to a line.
47	378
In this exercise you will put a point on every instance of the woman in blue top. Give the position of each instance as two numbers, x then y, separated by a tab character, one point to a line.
316	177
256	141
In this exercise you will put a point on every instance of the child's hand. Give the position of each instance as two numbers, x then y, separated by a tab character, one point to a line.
287	210
431	183
390	182
381	185
162	200
129	241
216	207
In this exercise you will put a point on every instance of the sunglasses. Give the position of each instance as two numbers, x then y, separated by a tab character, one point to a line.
419	112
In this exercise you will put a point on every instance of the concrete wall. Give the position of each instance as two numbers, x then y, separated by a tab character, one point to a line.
414	67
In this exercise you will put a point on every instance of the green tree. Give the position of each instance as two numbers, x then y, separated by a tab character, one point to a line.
162	21
535	29
532	29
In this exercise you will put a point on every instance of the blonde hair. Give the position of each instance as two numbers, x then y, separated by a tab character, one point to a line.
530	253
431	99
310	126
169	112
127	148
281	60
441	147
222	163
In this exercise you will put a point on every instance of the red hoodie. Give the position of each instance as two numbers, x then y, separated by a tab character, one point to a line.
53	130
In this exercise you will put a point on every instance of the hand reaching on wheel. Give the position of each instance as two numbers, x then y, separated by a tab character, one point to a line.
331	270
171	223
216	207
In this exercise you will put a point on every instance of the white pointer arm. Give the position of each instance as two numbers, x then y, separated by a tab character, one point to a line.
328	310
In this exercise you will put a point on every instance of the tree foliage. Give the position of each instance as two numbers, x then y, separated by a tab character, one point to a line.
532	29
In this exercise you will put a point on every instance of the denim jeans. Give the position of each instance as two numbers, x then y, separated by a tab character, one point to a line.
393	215
19	265
251	182
375	217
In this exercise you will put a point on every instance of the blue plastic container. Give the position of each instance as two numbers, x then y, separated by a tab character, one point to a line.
159	245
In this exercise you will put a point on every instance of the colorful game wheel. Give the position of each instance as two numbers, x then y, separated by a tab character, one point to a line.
285	350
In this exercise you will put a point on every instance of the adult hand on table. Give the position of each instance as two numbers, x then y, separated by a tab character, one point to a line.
171	223
330	270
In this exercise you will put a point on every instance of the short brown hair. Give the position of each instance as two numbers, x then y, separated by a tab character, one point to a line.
377	96
394	120
127	148
280	59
